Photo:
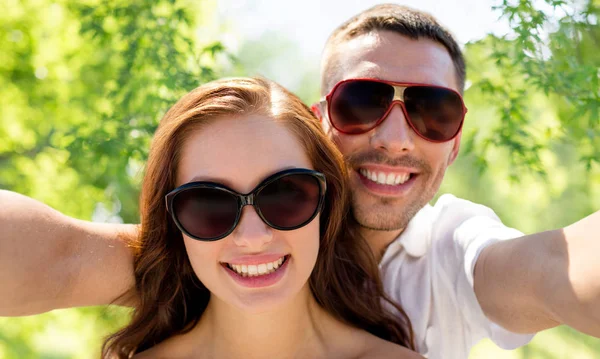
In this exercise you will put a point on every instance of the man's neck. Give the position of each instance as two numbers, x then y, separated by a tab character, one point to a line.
379	240
295	328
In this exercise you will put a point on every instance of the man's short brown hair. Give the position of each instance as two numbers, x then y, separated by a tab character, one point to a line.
402	20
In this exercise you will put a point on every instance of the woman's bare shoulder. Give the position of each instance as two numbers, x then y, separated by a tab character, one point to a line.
172	348
377	348
156	352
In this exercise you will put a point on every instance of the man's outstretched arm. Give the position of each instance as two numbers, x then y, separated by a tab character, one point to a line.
50	261
543	280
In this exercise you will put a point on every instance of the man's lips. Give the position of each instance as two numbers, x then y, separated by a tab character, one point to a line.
386	175
386	182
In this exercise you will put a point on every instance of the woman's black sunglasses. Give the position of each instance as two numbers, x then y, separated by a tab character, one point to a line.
209	211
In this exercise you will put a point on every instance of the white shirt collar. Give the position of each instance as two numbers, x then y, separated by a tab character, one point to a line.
416	237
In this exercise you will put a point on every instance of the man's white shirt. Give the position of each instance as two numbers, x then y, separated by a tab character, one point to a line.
428	269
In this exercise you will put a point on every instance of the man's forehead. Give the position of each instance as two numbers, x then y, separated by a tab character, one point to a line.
378	71
393	57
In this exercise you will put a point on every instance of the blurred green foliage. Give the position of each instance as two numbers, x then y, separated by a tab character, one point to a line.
83	85
557	57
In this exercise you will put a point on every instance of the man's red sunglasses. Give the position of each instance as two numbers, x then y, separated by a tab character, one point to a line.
357	106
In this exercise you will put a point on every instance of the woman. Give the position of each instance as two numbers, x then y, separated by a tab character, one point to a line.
217	278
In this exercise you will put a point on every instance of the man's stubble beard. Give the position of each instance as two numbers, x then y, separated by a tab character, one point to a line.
391	215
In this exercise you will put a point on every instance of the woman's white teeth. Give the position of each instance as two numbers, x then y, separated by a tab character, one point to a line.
251	270
262	268
393	179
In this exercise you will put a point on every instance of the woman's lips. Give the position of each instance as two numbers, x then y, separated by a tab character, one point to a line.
257	280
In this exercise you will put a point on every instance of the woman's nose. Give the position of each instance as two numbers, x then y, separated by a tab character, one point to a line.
252	231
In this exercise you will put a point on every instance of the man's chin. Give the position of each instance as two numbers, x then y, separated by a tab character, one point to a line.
380	221
384	214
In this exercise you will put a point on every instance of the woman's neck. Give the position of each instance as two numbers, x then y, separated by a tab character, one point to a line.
298	328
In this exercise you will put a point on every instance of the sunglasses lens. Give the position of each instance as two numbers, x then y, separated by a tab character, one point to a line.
436	113
356	106
290	201
206	213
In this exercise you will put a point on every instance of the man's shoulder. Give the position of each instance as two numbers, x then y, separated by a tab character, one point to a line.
462	220
436	224
460	231
448	204
450	213
451	225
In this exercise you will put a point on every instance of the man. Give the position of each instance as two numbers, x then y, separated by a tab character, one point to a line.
391	78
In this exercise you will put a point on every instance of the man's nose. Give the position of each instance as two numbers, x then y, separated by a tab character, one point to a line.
394	134
251	231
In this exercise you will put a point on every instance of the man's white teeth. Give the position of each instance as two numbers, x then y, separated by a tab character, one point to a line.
252	270
392	179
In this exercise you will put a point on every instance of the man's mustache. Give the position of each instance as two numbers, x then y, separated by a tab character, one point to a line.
358	159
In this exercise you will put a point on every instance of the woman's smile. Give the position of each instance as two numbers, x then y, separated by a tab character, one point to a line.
256	267
259	274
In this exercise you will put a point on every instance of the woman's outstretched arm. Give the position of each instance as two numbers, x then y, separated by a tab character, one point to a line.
50	261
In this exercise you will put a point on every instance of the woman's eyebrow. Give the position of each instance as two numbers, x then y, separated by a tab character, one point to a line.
205	178
230	184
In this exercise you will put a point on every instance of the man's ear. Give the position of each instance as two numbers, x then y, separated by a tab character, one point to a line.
316	109
455	148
